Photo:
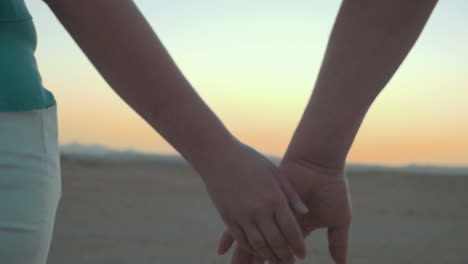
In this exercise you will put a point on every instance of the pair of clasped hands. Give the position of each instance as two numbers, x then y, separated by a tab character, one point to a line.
269	210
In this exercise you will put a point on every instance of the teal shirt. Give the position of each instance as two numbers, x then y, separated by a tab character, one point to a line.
20	82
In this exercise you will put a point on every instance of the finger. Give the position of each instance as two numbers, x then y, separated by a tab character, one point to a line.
291	195
225	242
276	241
240	256
338	244
257	260
238	234
258	243
291	232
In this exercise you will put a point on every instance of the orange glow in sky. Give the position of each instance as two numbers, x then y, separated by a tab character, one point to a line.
255	64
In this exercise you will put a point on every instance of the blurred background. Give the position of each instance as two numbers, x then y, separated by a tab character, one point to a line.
129	198
255	64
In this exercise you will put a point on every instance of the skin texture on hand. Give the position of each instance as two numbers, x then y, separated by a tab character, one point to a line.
326	194
248	193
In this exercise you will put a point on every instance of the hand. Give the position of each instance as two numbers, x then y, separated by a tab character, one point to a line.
252	198
326	194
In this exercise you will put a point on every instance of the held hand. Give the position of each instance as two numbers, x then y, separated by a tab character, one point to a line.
326	194
252	198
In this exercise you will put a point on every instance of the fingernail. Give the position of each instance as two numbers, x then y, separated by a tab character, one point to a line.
302	208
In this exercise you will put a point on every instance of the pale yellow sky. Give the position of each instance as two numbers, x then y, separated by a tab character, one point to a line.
255	65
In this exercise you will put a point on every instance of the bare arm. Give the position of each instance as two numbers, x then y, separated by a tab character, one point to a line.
369	41
126	52
246	188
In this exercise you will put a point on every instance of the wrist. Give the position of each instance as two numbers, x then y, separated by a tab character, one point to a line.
324	165
211	149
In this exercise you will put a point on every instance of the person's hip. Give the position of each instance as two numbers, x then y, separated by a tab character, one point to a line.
30	184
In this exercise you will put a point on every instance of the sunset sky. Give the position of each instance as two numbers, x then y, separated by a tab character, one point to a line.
255	63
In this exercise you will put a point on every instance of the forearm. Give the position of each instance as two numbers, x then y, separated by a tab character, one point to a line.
369	41
128	54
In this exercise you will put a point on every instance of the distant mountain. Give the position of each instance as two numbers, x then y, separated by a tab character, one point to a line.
95	151
411	168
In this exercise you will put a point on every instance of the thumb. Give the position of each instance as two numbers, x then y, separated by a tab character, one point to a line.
291	195
225	242
338	244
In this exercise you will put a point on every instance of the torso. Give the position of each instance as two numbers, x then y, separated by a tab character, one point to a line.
20	82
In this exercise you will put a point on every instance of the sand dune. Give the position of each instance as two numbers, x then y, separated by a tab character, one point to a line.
158	212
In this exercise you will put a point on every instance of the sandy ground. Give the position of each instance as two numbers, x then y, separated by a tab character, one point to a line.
140	212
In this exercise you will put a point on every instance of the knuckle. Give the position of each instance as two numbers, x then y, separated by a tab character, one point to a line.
270	206
244	245
274	203
278	246
235	232
259	212
255	209
258	244
265	208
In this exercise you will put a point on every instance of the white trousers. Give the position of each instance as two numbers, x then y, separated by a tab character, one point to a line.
30	184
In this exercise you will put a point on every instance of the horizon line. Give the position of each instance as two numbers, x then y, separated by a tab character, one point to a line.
100	149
